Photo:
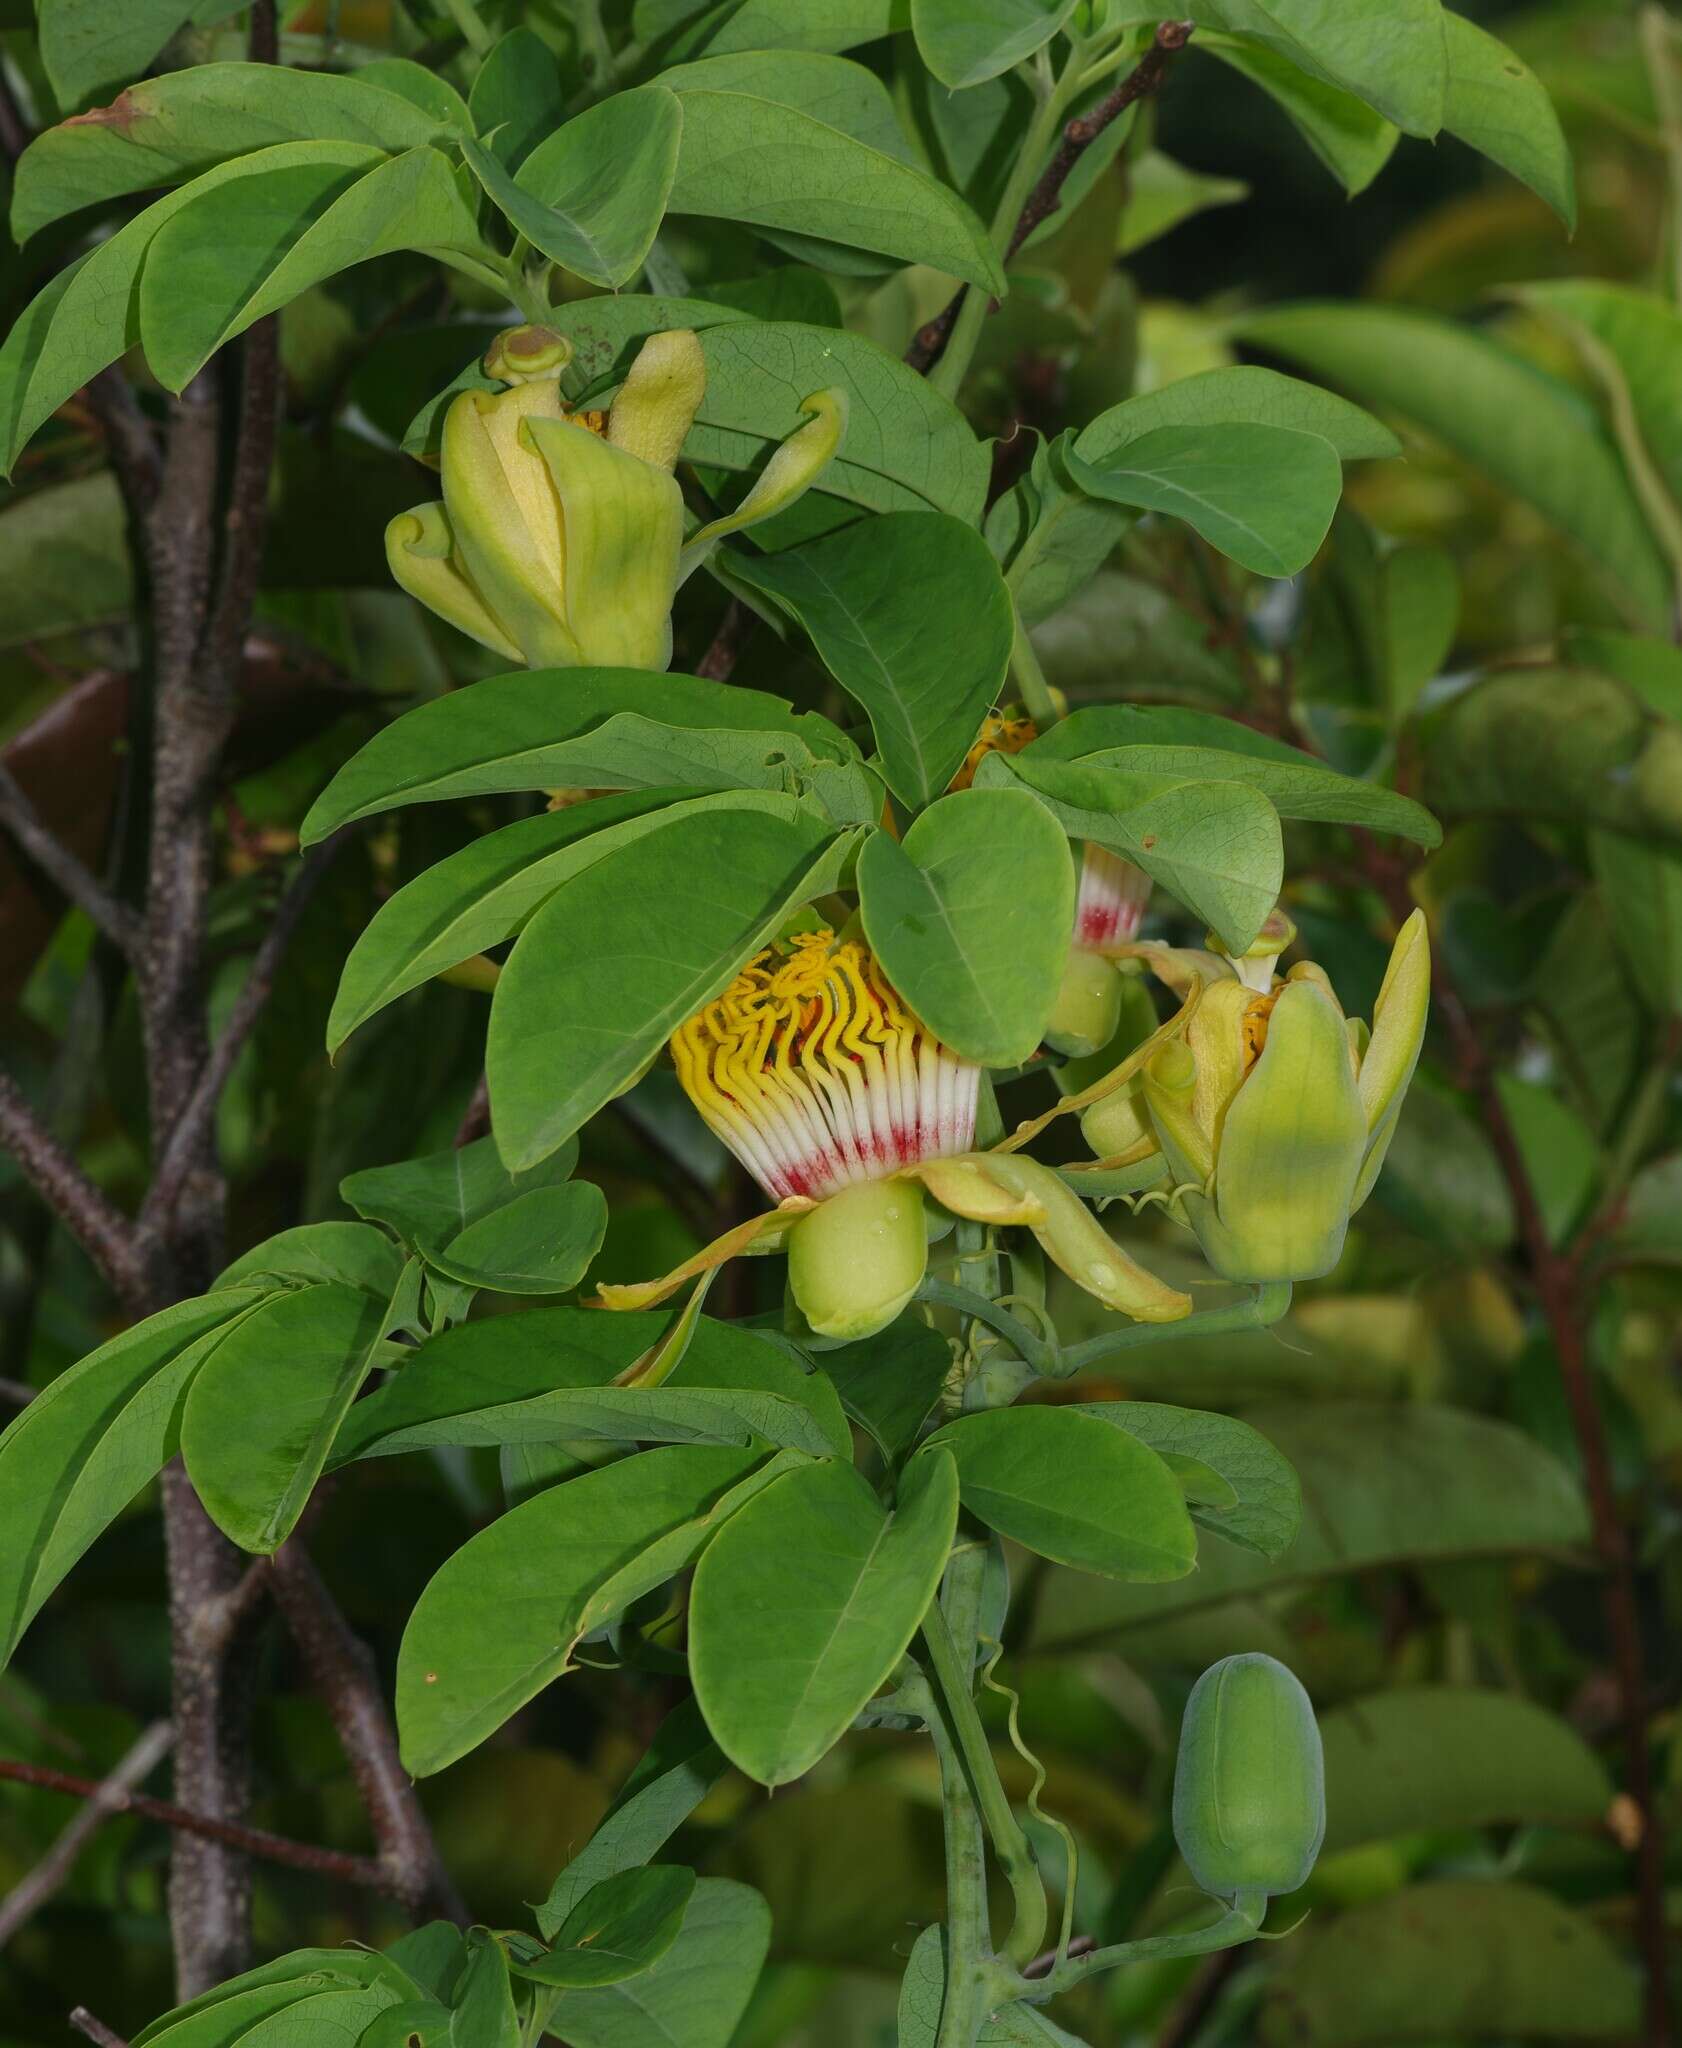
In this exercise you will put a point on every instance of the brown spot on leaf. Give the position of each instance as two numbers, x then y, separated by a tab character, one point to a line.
122	113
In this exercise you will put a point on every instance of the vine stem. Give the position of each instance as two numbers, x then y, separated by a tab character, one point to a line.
1010	1844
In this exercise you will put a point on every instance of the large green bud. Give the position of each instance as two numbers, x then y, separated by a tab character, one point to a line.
855	1261
1088	1007
559	541
1275	1111
1249	1786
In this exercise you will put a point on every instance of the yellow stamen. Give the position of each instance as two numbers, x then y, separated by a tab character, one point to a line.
1000	734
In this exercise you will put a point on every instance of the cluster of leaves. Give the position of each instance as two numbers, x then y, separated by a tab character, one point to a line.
1387	1500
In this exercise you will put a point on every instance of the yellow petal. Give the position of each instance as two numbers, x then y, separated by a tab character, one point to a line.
1398	1032
760	1233
968	1187
659	399
421	553
795	466
623	521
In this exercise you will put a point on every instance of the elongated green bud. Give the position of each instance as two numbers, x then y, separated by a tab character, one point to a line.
857	1259
1249	1786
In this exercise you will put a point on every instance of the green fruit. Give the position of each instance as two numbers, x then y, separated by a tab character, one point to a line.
1088	1006
1249	1787
857	1259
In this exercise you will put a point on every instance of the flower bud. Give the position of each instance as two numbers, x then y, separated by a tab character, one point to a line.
857	1259
1249	1786
560	538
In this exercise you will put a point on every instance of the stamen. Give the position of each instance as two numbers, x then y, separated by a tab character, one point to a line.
815	1075
1111	905
1000	734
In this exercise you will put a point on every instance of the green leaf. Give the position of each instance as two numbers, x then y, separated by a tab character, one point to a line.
729	25
677	1771
544	1377
89	314
1216	845
1162	193
220	2015
910	615
503	1615
966	42
87	46
1074	1489
245	247
592	196
518	96
77	1455
1499	105
1262	1507
1389	53
771	166
1051	537
1382	1484
906	447
1643	892
806	1601
541	1242
1185	745
426	89
64	560
1629	340
329	2019
1441	1176
482	2011
1559	744
1503	1961
1440	1756
624	953
1244	396
696	1993
523	731
1350	138
839	94
430	1201
261	1415
1263	495
345	1254
970	919
1467	390
890	1383
621	1927
166	129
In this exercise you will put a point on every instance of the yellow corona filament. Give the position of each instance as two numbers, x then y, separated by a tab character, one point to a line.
1000	734
815	1075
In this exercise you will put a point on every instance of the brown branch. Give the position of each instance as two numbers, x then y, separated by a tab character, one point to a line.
14	129
36	1887
342	1671
61	867
476	1118
1188	2013
727	643
1555	1274
16	1393
103	1231
1080	134
323	1863
130	440
194	1125
928	344
95	2029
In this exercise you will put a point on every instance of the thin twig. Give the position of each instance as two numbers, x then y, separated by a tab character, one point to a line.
727	643
327	1863
16	1393
14	129
476	1118
342	1671
95	2029
928	344
36	1887
1080	134
102	1230
1194	2005
46	851
181	1155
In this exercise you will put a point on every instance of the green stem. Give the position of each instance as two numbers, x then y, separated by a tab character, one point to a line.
1659	56
1240	1922
967	1301
474	32
969	1944
1261	1308
1031	685
1010	1844
949	373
